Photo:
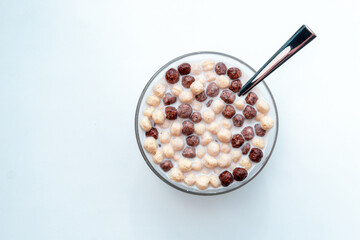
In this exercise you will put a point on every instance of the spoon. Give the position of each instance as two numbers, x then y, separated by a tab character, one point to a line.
299	40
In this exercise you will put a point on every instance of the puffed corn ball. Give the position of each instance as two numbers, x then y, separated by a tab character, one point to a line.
148	111
266	123
208	116
258	142
239	104
195	69
245	163
176	90
223	81
200	128
164	137
259	116
184	164
158	117
159	90
158	157
197	165
168	151
202	182
208	65
235	155
177	143
206	138
225	148
200	151
175	129
177	157
214	181
196	106
201	79
224	160
213	149
145	123
186	97
153	100
262	106
224	135
190	179
226	123
150	145
217	106
166	124
176	175
210	162
210	76
213	127
196	87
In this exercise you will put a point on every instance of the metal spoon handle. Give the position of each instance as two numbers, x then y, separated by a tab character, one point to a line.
299	40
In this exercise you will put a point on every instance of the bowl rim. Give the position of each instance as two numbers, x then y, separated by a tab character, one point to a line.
140	144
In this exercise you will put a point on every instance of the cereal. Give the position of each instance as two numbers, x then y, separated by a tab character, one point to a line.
186	97
223	82
245	163
212	90
259	131
227	96
150	145
200	152
202	182
213	149
239	174
158	157
164	137
153	100
220	68
258	142
235	155
175	129
210	162
168	151
201	80
184	165
193	140
225	148
229	111
177	157
176	175
172	76
196	117
196	106
251	98
171	113
197	87
214	128
196	165
224	135
166	124
190	179
226	123
159	90
169	99
206	138
238	120
239	104
184	110
158	116
195	69
208	65
237	140
189	152
267	123
249	112
234	73
187	128
214	181
148	111
208	104
246	148
177	143
145	123
184	69
217	106
176	90
210	76
255	154
224	160
200	128
248	133
153	132
226	178
262	106
235	86
166	165
201	97
186	81
259	116
208	116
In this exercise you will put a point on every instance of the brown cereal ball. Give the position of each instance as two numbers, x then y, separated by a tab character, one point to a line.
249	112
189	152
220	68
153	132
251	98
186	81
171	113
240	174
259	131
184	68
234	73
238	120
166	165
187	128
235	86
172	76
195	117
226	178
184	110
169	99
208	104
237	140
229	111
201	97
246	148
227	96
212	90
248	133
193	140
255	155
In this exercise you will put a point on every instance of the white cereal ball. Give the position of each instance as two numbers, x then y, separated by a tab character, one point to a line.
205	172
235	155
201	79
200	128
210	76
223	81
158	157
176	90
196	87
145	123
206	138
224	135
195	69
210	162
196	106
262	106
267	123
225	148
245	163
186	97
164	137
226	123
258	142
208	65
184	164
197	165
159	90
177	143
175	129
166	124
213	149
177	157
158	117
148	111
214	181
259	116
224	160
153	100
217	106
190	179
200	151
239	103
150	145
176	175
208	116
213	127
202	182
168	151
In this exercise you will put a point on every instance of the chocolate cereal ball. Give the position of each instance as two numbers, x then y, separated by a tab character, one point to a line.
172	76
184	110
220	68
184	68
237	140
201	97
153	132
229	111
226	178
255	155
249	112
166	165
234	73
169	99
240	174
195	117
212	90
189	152
246	148
193	140
227	96
188	128
186	81
251	98
235	86
259	131
171	113
238	120
248	133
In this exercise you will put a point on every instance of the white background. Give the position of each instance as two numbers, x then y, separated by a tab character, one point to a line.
71	73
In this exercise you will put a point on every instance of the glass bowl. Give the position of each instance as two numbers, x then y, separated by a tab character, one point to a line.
247	72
